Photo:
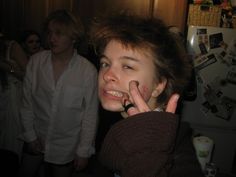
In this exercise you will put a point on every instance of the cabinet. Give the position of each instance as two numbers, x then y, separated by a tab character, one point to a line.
173	12
11	16
17	15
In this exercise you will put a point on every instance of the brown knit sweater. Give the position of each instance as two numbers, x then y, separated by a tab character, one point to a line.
141	145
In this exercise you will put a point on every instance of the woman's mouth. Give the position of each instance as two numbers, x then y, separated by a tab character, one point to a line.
114	93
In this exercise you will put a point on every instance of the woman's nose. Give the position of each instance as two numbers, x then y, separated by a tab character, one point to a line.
51	36
110	75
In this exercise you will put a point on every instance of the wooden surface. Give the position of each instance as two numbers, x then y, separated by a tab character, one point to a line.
17	15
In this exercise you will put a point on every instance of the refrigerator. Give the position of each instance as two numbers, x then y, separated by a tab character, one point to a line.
213	113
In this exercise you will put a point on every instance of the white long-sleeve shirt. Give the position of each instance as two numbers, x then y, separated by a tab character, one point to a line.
64	114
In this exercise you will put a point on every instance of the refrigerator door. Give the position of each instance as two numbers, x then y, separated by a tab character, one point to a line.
212	113
213	51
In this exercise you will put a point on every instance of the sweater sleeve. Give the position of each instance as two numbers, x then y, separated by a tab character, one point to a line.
142	145
185	159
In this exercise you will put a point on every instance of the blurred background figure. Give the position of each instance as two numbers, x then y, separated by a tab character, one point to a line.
31	42
13	61
59	109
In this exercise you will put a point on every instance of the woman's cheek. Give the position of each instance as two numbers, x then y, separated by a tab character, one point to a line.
144	91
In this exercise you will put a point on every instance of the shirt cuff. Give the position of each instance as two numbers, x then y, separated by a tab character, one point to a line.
85	151
28	136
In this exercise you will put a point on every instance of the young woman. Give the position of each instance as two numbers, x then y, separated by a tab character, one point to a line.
13	63
143	70
31	42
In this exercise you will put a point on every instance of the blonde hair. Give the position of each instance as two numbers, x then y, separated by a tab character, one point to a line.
69	24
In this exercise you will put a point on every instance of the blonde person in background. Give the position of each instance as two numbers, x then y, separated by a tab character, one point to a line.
59	109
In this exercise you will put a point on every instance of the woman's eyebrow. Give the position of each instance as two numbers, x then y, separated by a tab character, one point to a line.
129	58
122	58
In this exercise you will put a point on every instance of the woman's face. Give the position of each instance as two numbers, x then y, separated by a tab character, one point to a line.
119	66
33	44
59	42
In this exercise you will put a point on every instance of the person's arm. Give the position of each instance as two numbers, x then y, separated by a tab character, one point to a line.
86	146
27	115
18	55
4	66
141	145
185	159
12	69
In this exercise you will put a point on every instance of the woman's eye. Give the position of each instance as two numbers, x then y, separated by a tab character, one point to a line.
103	64
127	67
58	33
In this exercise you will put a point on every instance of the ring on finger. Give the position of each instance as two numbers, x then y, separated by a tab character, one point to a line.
126	107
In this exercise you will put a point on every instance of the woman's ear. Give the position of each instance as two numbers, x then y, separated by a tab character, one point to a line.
159	88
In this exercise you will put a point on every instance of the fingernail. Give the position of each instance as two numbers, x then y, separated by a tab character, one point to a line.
176	97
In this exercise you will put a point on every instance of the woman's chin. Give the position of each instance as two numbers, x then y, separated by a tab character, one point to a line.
113	108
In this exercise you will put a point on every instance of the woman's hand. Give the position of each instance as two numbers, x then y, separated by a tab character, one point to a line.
80	163
141	106
35	147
